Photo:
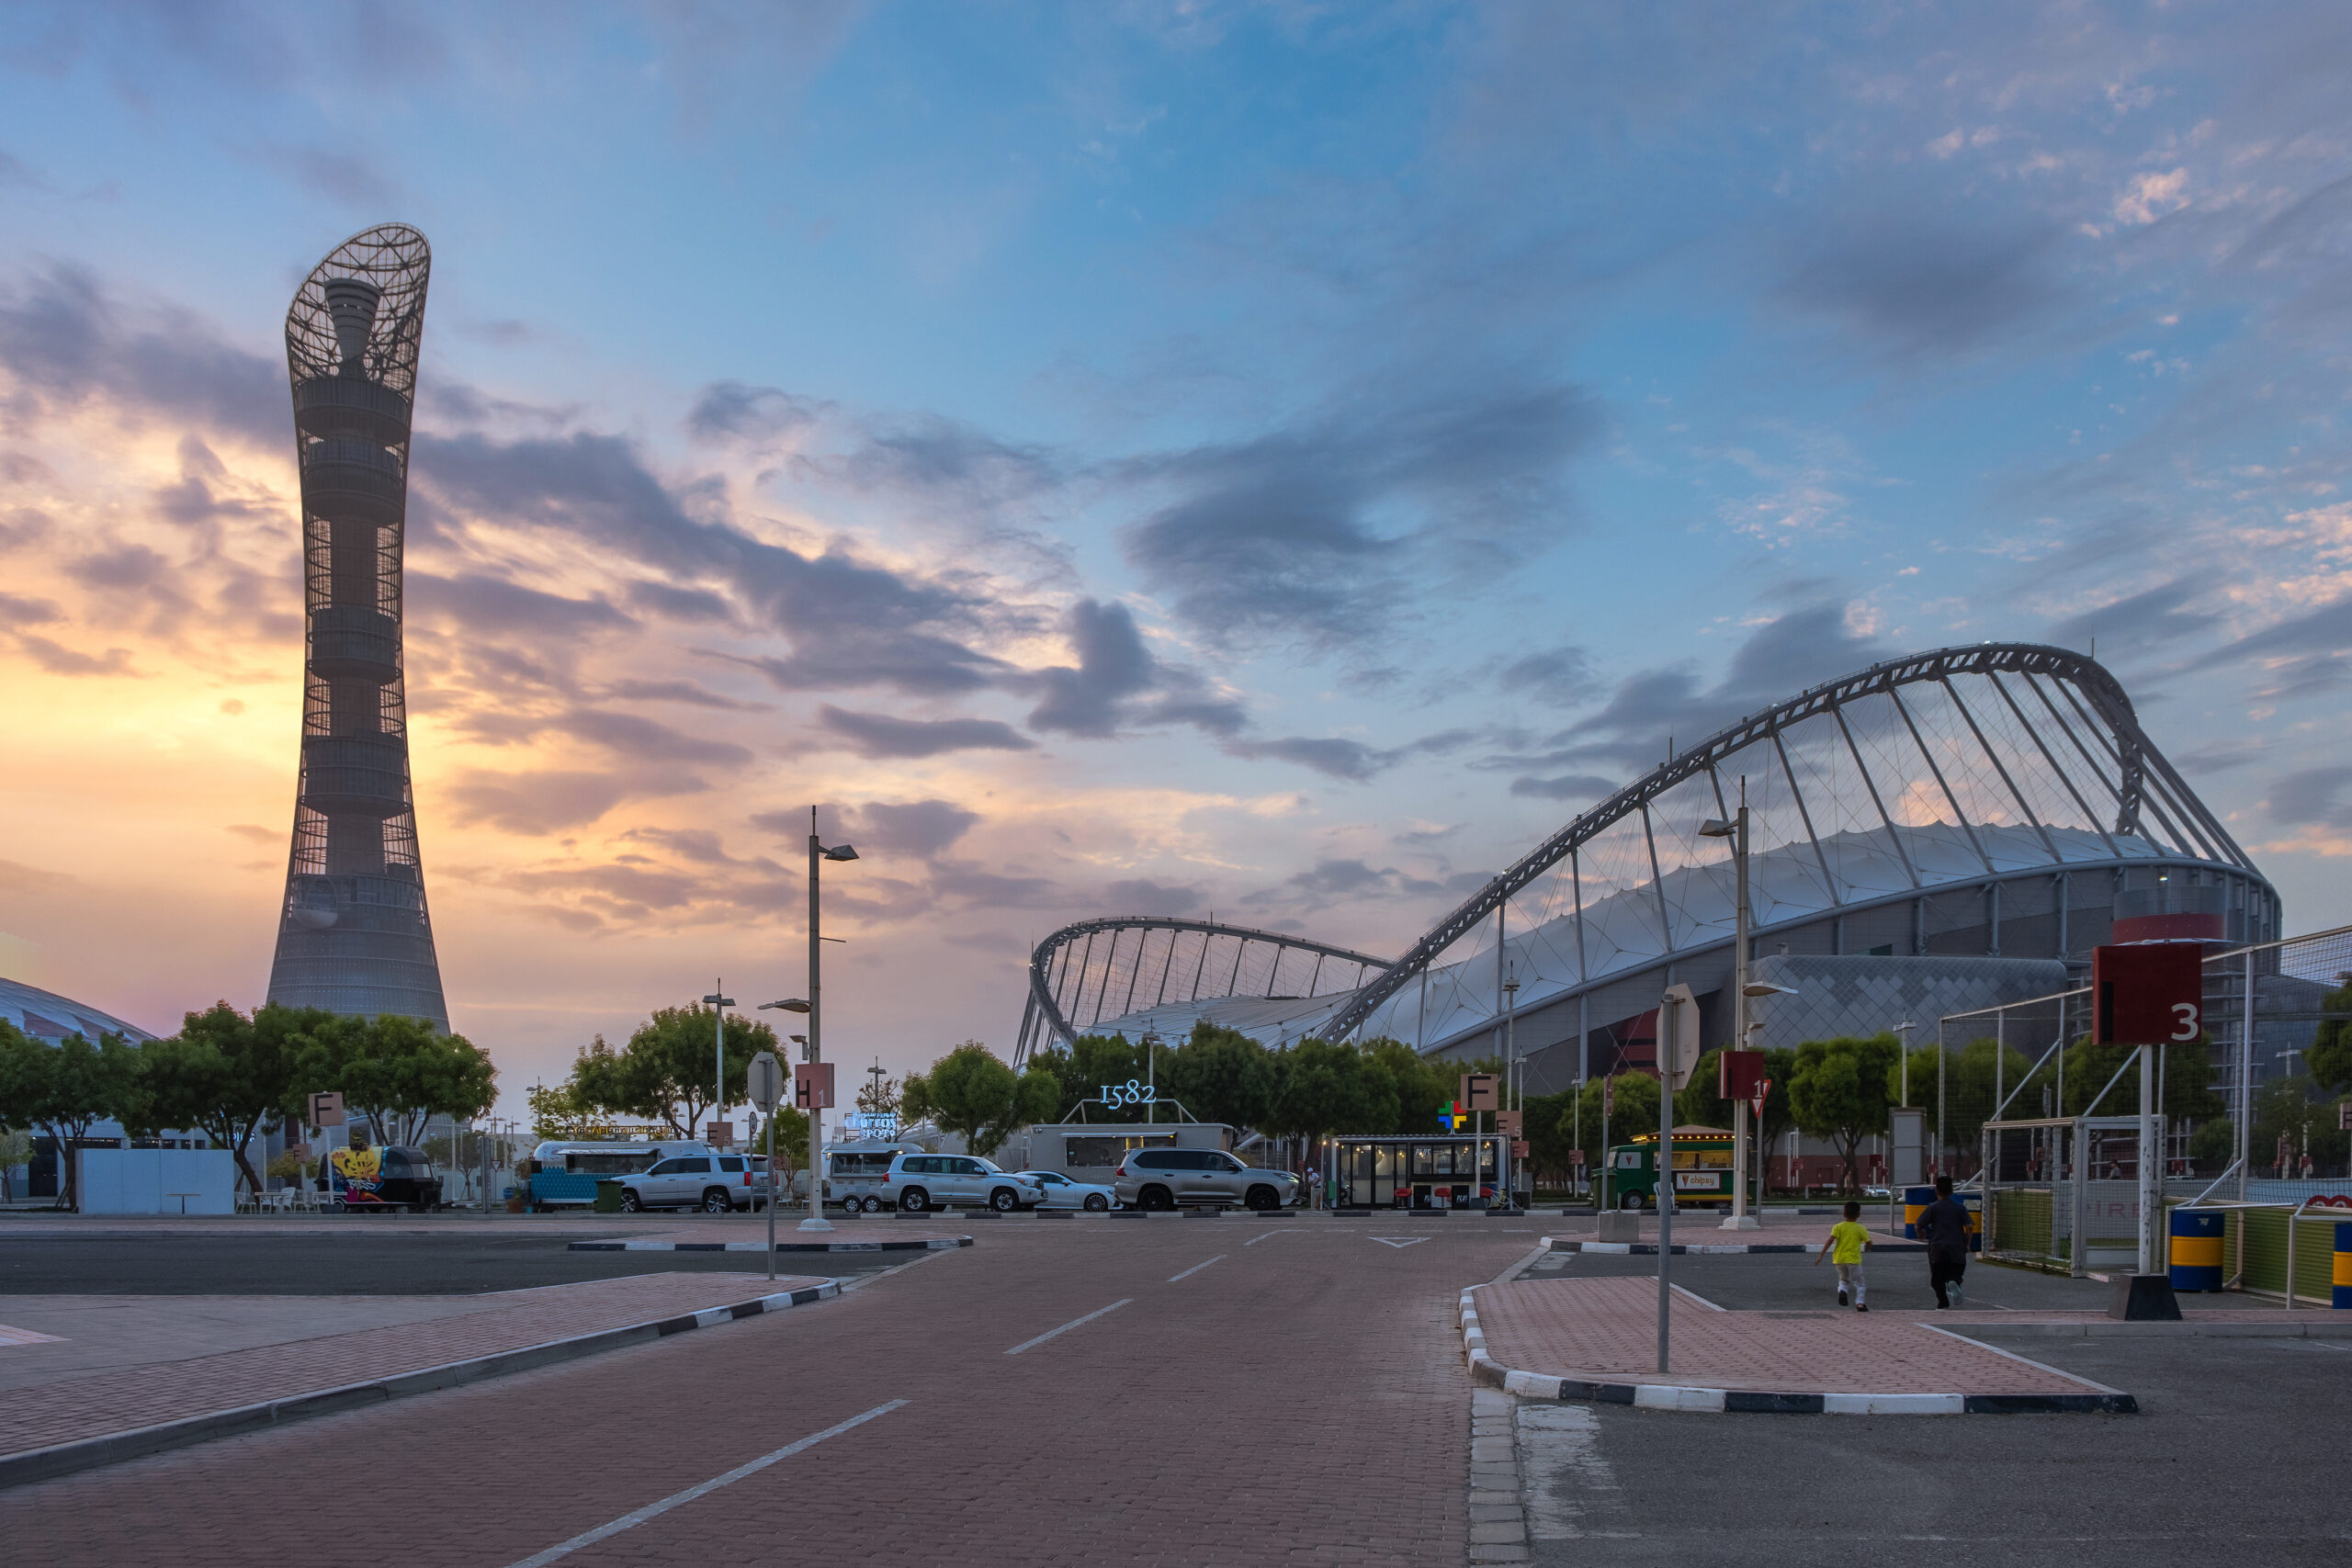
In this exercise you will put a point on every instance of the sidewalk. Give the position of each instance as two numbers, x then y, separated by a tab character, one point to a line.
1591	1336
146	1385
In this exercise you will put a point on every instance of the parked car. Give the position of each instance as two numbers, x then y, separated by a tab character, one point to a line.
715	1183
1061	1192
920	1181
1164	1179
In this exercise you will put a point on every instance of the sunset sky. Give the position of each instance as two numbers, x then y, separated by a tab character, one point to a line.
1278	460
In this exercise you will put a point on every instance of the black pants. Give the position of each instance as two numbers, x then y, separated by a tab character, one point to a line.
1945	1268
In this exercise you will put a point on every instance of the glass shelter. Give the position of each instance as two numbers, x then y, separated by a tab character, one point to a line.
1444	1170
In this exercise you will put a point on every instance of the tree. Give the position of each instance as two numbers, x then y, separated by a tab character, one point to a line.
970	1093
2330	1057
1550	1130
1838	1093
227	1075
880	1096
791	1144
1220	1075
1424	1086
667	1071
2283	1108
1323	1088
1635	1113
16	1148
398	1072
563	1112
65	1088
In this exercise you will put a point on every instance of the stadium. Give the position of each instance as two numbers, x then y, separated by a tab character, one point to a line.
1950	830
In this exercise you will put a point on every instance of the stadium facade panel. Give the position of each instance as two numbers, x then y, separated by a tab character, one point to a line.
1985	802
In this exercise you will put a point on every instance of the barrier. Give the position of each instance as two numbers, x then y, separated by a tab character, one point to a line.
2342	1296
2197	1237
1918	1198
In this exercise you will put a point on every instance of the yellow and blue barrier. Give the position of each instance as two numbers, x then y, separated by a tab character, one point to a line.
2343	1279
2197	1248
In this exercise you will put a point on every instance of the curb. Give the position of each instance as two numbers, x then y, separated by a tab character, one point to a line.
1708	1249
762	1246
1486	1369
114	1448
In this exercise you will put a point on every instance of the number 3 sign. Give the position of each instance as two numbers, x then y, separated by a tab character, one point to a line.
2148	993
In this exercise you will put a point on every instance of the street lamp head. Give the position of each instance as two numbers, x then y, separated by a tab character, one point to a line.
798	1039
840	851
790	1004
1716	827
1766	988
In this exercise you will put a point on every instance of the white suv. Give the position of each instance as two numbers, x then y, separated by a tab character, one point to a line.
920	1181
715	1183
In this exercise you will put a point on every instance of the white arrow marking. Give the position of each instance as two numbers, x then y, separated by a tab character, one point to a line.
1400	1241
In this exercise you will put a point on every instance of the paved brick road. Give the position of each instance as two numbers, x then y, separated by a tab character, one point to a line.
118	1399
1607	1329
1300	1400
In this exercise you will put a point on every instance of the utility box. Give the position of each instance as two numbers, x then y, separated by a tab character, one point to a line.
1906	1145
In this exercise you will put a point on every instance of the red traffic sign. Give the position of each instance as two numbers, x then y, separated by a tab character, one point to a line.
1737	1074
1763	1093
2147	993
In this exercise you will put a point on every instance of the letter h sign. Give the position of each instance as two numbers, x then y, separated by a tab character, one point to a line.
2148	993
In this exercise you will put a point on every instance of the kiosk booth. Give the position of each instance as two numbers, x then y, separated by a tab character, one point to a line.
1440	1170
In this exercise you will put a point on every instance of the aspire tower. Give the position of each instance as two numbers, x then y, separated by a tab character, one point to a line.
353	936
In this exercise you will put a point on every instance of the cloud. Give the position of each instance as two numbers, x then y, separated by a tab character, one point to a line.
1305	536
1925	283
674	603
917	830
1118	681
730	411
477	603
1338	758
59	659
686	692
2324	631
1562	676
879	734
344	177
2311	795
1567	786
2138	620
27	612
549	800
65	343
1146	898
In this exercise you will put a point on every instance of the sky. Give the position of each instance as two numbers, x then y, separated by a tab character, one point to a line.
1271	460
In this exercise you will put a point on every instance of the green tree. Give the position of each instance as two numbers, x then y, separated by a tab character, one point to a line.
397	1072
791	1144
1220	1075
228	1076
1322	1087
1838	1093
2330	1057
666	1072
2284	1108
16	1148
1634	1114
66	1088
1550	1130
1424	1085
972	1094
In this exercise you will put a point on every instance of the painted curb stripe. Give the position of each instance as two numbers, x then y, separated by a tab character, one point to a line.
762	1246
114	1448
1486	1369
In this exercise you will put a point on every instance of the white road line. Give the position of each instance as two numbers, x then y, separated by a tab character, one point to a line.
1195	1268
1065	1329
2012	1355
651	1510
1266	1236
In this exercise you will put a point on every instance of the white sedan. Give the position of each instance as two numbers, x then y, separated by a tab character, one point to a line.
1061	1192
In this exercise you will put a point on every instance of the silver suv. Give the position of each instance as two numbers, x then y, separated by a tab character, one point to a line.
715	1183
920	1181
1162	1179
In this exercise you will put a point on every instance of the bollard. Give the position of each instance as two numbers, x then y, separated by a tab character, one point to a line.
2197	1248
2342	1296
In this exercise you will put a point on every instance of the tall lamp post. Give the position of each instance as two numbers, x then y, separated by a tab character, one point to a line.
1512	1097
1736	830
815	1051
718	1005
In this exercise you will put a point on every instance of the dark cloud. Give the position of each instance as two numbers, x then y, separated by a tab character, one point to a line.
674	603
2316	632
64	343
953	879
1118	681
2312	795
880	735
626	736
1146	898
730	411
59	659
1294	536
928	454
2140	620
481	605
1338	758
1562	676
686	692
126	568
344	177
1923	283
550	800
1567	786
26	611
850	624
916	830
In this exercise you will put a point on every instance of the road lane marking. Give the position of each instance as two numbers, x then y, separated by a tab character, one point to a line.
652	1510
1194	1268
1266	1236
1065	1329
1400	1242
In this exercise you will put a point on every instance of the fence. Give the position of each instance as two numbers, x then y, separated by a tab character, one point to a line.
2027	1062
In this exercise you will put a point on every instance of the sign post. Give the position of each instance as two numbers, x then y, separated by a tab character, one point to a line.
1479	1097
764	1083
1678	1053
2147	993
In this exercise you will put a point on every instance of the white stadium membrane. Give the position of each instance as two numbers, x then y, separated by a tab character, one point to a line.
1954	811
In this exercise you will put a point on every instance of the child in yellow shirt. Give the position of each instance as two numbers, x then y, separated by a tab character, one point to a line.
1848	1242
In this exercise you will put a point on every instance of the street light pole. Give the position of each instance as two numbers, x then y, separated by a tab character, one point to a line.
719	1006
815	1052
1737	831
1512	1095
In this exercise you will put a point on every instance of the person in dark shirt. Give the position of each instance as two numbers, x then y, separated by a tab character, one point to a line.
1943	1225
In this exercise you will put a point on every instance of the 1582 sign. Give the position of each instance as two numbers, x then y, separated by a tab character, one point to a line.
1132	1092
